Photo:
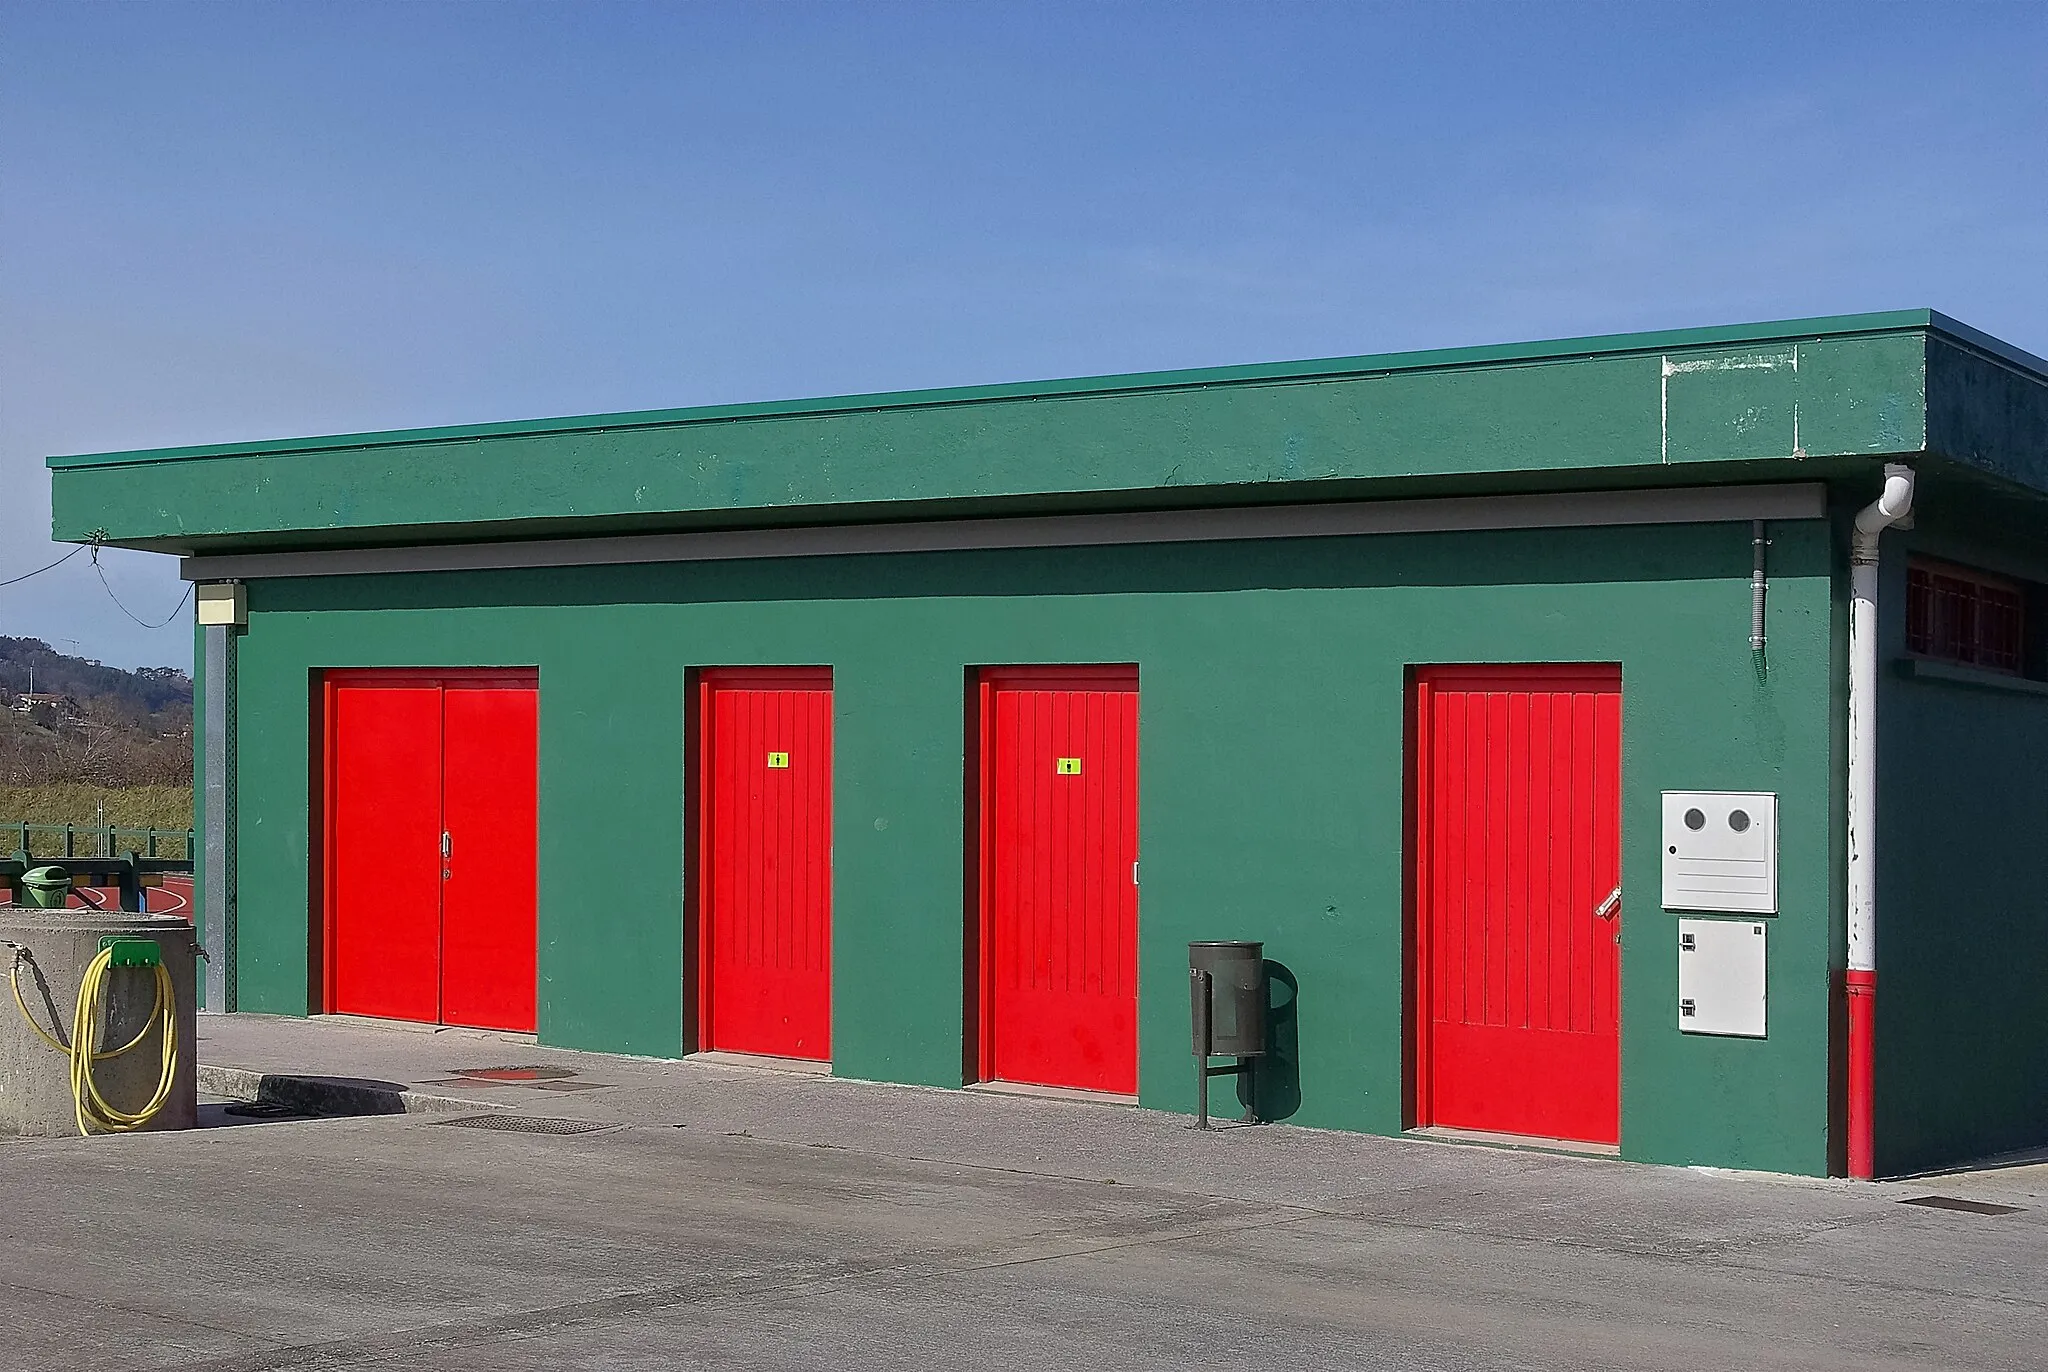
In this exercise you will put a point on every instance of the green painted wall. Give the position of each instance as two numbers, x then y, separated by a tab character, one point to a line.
1272	778
1962	951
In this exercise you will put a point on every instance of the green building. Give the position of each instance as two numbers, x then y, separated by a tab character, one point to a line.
1527	703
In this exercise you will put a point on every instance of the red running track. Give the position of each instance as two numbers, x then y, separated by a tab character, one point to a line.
174	897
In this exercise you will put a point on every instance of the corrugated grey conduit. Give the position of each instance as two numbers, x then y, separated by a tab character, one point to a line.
1757	544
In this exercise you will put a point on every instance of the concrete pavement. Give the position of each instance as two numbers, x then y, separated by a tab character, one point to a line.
722	1216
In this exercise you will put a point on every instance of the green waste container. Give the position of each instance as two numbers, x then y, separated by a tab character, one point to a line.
47	888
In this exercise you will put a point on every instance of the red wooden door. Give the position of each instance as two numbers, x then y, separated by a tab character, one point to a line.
489	808
1058	859
1518	852
383	859
765	862
429	844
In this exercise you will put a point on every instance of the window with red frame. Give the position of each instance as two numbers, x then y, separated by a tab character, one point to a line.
1961	616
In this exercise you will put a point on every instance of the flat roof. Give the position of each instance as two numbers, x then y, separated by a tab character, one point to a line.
1310	369
1611	409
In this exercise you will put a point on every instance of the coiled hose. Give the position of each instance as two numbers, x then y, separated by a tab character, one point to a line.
90	1107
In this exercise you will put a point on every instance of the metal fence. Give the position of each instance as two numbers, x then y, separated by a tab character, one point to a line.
94	840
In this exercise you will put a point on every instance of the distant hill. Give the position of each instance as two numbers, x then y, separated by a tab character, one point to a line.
55	673
86	722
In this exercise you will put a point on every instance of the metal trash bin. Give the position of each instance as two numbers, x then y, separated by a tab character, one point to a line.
1227	994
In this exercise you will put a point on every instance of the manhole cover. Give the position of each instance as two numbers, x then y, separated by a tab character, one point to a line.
534	1073
527	1124
1968	1207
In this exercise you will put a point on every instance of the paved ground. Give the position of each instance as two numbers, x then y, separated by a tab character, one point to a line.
723	1217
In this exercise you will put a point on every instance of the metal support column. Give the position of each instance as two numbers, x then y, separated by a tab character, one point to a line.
217	920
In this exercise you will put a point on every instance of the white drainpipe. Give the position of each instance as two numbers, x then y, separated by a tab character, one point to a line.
1871	522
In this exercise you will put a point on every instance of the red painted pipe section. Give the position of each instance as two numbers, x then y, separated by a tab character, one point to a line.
1862	997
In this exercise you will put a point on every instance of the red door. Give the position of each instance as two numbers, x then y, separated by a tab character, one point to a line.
764	899
489	794
383	895
429	846
1518	870
1058	857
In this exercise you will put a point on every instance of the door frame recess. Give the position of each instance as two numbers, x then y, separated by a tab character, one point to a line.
1419	1112
321	932
978	1057
699	685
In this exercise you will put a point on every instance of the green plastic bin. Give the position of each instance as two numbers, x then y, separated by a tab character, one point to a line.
47	888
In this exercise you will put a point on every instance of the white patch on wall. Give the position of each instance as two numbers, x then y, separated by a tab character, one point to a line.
1721	851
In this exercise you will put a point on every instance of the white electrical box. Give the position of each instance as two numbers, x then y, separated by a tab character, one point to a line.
1721	851
223	602
1721	966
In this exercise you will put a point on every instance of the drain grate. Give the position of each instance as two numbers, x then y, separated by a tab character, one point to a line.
1968	1207
528	1124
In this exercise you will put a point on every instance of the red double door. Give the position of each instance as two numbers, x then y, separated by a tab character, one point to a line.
764	862
431	786
1058	856
1517	791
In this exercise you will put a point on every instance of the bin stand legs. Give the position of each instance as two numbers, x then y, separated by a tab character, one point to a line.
1245	1068
1203	1071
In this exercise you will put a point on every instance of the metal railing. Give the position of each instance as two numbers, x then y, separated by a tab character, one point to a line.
100	840
131	874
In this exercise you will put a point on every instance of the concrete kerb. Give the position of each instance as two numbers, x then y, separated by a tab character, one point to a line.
332	1095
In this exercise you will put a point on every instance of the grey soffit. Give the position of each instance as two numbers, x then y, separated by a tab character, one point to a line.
1588	509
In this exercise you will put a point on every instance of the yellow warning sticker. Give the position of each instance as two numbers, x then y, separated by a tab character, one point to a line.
778	761
1068	767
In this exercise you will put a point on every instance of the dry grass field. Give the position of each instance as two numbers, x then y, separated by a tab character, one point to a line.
128	807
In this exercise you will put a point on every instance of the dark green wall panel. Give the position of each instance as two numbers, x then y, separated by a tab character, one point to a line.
1987	414
1962	961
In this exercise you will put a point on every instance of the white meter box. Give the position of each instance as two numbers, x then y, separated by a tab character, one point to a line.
1721	966
1721	851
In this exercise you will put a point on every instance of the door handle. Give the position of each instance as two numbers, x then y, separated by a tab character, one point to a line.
1609	906
447	845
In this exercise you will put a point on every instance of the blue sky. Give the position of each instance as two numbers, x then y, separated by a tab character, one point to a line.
224	221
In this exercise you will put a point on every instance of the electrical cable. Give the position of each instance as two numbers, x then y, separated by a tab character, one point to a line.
16	581
175	609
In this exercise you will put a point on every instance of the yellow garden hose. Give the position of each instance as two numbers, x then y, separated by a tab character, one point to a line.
14	980
90	1106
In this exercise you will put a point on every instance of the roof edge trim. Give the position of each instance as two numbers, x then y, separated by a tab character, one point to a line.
1496	354
1986	343
1455	514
